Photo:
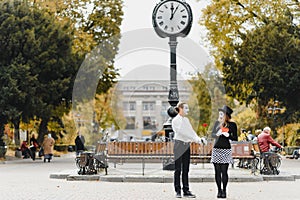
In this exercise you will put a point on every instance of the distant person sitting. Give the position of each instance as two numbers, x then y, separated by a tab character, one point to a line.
251	137
296	153
33	146
243	135
26	153
265	139
79	143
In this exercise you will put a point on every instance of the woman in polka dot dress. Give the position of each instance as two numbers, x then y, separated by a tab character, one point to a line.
223	131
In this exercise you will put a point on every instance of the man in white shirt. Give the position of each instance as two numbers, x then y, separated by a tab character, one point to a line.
184	134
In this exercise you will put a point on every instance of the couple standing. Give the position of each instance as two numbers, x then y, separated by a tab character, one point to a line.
223	130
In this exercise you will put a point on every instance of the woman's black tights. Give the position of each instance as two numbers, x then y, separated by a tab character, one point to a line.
221	175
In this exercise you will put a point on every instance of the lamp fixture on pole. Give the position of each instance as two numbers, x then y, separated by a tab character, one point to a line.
273	111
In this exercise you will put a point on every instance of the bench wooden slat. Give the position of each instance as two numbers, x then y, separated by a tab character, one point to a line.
154	149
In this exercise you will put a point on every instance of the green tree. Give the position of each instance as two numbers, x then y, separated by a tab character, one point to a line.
96	23
36	61
228	21
208	93
256	44
96	27
267	66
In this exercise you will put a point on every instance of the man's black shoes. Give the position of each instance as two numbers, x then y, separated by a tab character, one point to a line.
178	195
188	194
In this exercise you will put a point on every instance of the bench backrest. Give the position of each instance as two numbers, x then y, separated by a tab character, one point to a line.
200	149
140	148
101	147
239	149
149	148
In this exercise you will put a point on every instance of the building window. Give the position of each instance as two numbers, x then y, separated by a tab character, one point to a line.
130	123
132	106
151	88
148	105
149	123
129	105
164	88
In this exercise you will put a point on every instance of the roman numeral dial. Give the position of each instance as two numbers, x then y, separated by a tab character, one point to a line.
172	17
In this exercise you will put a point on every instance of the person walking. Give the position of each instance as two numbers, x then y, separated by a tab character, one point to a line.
184	135
48	145
33	146
79	143
223	131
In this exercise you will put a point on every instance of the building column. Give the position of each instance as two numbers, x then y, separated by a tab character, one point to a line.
139	118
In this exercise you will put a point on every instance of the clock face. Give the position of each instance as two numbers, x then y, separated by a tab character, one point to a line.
172	17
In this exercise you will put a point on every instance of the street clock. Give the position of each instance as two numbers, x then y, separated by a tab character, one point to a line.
172	18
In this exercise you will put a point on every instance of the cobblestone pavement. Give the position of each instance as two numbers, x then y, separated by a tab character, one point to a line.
27	179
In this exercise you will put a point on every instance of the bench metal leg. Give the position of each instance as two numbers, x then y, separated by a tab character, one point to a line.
143	166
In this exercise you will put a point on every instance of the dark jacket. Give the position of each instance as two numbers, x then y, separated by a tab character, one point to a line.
223	142
79	143
34	144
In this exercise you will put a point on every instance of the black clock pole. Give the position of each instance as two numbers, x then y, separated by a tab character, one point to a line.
172	23
173	93
173	97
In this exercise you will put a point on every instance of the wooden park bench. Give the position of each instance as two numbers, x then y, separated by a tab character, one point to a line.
242	150
245	152
153	152
159	152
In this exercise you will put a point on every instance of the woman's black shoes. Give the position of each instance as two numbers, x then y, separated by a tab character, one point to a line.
221	194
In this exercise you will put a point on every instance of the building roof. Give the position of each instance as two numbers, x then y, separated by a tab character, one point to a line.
149	72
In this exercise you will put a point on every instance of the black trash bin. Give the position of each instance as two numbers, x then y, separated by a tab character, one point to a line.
3	149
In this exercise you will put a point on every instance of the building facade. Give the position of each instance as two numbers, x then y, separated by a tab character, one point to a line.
145	104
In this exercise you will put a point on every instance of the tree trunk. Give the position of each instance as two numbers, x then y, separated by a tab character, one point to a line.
3	147
1	133
16	123
43	130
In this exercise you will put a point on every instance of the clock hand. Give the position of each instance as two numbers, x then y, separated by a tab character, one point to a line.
172	9
174	12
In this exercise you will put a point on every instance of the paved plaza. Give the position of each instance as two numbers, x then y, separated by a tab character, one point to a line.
27	179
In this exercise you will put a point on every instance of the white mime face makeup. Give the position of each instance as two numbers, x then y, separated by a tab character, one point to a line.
185	109
221	116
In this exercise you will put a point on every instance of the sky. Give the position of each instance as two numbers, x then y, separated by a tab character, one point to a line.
137	25
138	13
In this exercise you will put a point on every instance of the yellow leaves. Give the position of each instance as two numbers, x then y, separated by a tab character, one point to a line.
83	42
227	21
290	135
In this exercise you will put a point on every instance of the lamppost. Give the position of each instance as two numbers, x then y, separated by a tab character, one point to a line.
172	18
273	111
